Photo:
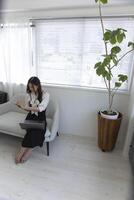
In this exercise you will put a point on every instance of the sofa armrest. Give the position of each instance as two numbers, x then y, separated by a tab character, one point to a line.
5	107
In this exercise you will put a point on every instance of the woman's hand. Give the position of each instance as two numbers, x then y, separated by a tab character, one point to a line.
33	108
27	108
21	105
18	104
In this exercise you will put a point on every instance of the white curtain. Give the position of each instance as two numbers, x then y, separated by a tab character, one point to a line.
15	62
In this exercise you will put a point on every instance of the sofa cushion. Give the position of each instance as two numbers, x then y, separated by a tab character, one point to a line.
9	123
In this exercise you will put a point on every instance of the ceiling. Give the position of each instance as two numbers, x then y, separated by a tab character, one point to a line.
16	5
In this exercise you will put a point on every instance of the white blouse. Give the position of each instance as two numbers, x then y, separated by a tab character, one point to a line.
33	100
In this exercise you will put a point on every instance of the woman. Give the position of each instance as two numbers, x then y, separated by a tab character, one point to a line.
36	106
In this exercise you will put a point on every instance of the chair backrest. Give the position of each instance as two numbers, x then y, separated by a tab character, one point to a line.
52	108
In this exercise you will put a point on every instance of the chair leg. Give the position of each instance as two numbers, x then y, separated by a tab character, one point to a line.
47	148
57	134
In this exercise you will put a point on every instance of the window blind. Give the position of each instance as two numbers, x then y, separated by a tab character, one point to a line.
67	50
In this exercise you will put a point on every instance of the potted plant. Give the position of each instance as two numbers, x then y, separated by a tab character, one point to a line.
109	120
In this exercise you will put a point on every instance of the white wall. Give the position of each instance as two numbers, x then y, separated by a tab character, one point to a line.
130	129
79	109
68	12
45	4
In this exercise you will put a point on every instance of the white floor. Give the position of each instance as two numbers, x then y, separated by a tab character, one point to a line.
75	170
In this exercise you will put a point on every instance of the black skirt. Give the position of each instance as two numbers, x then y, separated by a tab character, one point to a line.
35	137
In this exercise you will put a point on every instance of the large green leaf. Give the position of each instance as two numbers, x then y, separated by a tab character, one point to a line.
131	44
108	76
113	40
115	36
97	65
122	77
118	84
107	36
99	70
120	34
106	61
102	1
115	50
122	29
120	37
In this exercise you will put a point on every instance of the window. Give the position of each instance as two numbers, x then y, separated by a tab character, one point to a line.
67	49
60	51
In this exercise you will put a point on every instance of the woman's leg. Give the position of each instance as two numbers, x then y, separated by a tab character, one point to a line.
26	155
27	138
20	154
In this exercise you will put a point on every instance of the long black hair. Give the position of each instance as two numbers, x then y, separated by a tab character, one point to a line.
35	81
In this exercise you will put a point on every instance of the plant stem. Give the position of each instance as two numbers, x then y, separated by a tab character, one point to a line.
102	25
122	57
105	83
112	96
106	50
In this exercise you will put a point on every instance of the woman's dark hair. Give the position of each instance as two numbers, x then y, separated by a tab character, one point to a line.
35	81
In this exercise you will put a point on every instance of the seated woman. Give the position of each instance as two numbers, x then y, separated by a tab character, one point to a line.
37	102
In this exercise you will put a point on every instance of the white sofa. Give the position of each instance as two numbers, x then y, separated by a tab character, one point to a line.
11	116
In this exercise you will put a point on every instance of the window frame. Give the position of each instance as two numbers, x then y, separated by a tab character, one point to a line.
70	86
